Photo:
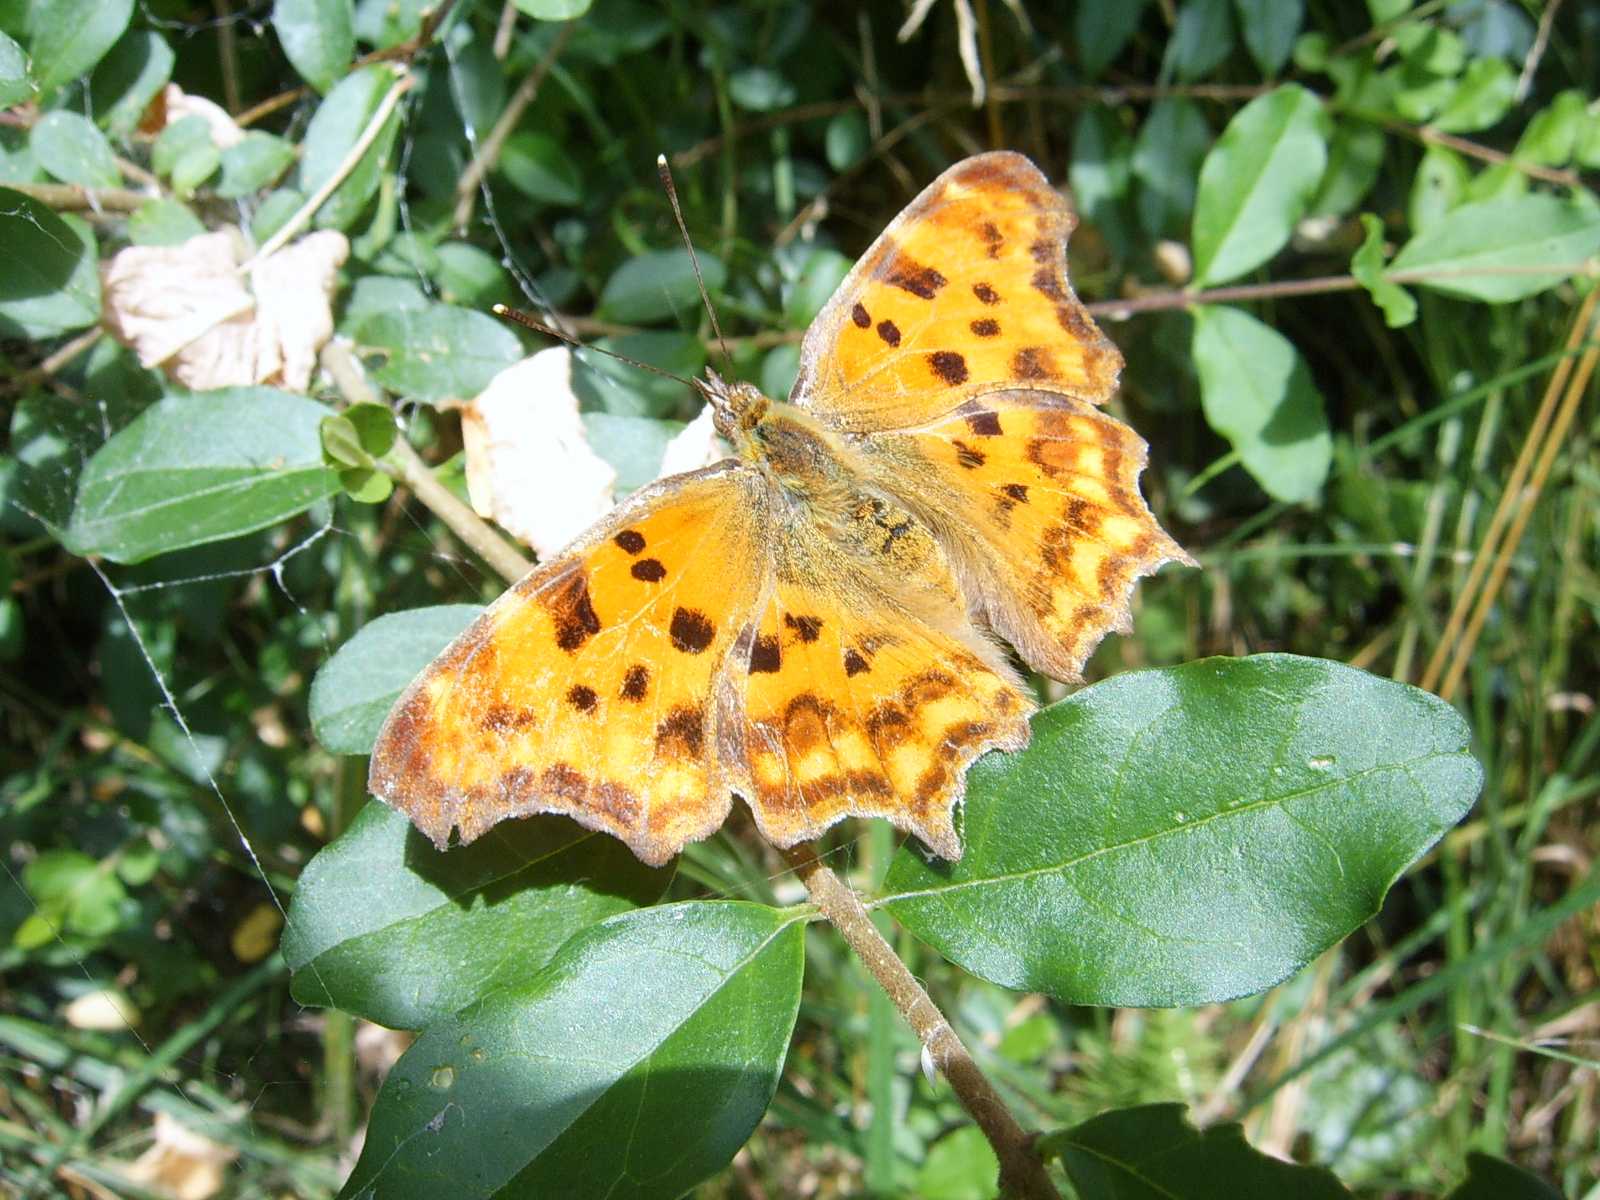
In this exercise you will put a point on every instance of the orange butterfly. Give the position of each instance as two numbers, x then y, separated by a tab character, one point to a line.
810	623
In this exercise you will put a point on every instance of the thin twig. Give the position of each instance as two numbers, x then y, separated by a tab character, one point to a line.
1022	1171
38	374
71	196
404	465
489	151
380	117
1541	40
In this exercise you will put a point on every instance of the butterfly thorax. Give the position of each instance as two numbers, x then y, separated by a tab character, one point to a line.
818	479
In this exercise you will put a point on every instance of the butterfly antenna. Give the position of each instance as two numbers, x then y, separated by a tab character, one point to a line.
517	317
672	195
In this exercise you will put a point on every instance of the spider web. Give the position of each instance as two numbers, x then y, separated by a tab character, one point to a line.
52	469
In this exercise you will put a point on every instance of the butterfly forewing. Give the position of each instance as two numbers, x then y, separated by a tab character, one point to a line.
965	292
589	687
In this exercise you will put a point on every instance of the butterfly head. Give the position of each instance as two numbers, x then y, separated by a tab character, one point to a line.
736	408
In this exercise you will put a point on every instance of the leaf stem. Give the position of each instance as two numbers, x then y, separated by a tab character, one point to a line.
405	465
1022	1171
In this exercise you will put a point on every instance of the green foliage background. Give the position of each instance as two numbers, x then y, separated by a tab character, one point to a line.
1407	193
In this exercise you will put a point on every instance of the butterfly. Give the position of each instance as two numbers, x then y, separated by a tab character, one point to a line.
813	623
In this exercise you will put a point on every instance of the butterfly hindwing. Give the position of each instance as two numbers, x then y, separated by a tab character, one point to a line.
590	687
966	291
855	708
1036	498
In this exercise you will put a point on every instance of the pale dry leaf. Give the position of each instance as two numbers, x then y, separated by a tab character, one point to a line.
187	309
181	1163
694	446
225	132
104	1010
529	463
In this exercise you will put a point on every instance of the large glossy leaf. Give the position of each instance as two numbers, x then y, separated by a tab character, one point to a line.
440	352
1153	1153
128	78
199	467
355	689
634	1065
1496	250
49	281
1191	835
388	927
72	148
1258	393
1257	182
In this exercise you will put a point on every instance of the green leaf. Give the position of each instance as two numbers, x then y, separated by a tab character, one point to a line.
846	141
1490	1178
199	467
254	163
338	124
760	89
1270	28
163	222
633	445
365	485
1438	186
1167	156
1101	31
604	383
820	276
317	36
1153	1153
1482	96
71	36
959	1166
75	893
1189	835
1354	156
73	149
185	153
128	78
1257	392
470	276
1460	252
636	1063
1201	39
15	85
1257	182
657	285
49	277
554	10
385	926
1556	130
539	167
439	352
355	689
1367	266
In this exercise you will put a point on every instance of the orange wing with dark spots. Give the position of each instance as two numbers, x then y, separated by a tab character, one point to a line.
1036	499
964	293
591	688
853	709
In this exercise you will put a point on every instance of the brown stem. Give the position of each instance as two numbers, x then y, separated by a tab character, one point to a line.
1022	1171
73	196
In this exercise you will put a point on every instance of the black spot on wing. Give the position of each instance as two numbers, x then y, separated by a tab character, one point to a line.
691	630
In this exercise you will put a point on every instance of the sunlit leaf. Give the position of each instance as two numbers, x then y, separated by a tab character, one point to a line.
1257	182
355	689
634	1064
388	927
199	467
1190	835
1258	393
